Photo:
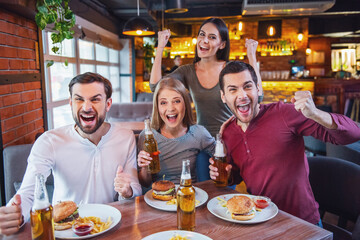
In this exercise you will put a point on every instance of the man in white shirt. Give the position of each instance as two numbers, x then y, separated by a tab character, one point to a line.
92	161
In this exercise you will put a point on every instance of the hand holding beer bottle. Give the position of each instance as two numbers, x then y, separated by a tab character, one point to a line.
221	180
185	197
220	170
11	217
41	218
150	146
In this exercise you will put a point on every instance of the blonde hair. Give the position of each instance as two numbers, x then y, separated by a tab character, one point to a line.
174	85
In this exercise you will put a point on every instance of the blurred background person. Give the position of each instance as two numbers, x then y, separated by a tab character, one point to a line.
177	62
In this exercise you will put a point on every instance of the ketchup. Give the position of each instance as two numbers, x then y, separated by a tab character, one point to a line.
261	203
83	229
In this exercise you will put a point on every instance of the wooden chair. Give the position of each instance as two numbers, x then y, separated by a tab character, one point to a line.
335	184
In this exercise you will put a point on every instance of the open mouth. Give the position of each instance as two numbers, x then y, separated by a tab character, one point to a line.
203	48
243	108
87	118
171	117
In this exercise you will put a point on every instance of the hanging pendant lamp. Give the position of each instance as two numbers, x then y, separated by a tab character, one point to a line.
138	26
176	6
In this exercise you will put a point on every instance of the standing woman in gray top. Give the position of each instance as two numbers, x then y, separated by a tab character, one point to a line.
202	77
177	136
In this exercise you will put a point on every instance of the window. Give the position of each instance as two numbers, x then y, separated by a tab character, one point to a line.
83	56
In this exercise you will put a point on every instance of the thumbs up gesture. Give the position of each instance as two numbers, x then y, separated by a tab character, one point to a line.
11	217
122	183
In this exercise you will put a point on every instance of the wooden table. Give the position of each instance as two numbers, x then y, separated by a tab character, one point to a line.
140	220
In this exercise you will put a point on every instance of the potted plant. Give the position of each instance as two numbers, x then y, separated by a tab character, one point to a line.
148	50
56	12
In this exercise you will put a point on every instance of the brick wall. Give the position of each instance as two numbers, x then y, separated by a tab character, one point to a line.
20	103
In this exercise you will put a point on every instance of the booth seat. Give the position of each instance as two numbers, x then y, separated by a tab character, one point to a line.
144	97
130	112
15	162
350	152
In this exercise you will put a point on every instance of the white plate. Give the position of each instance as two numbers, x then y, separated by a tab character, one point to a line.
216	208
170	234
200	195
97	210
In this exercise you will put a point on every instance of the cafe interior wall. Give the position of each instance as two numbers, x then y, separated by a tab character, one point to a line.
21	88
21	106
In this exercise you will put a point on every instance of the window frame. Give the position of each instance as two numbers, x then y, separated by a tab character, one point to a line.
77	61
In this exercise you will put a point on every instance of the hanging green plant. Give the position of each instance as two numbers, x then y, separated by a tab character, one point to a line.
148	54
59	13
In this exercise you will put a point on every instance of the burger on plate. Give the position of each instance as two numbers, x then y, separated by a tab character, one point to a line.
241	208
163	190
64	213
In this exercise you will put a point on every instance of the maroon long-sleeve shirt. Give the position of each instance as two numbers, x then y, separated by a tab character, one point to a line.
269	155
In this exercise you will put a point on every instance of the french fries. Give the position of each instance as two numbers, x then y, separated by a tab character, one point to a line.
222	201
99	226
174	202
178	237
171	202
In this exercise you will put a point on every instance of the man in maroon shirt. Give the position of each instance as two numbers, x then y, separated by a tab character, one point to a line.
265	142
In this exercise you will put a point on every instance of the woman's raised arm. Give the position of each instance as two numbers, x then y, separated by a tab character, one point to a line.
163	38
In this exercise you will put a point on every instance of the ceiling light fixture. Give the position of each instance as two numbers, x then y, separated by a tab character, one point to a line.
271	31
137	26
241	25
176	6
300	35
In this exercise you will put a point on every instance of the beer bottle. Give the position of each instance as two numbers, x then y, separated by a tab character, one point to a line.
150	146
220	163
41	218
185	197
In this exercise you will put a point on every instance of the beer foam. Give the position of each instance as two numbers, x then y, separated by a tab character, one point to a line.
186	176
39	204
219	149
148	132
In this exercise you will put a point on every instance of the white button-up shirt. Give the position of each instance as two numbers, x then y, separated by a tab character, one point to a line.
83	172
